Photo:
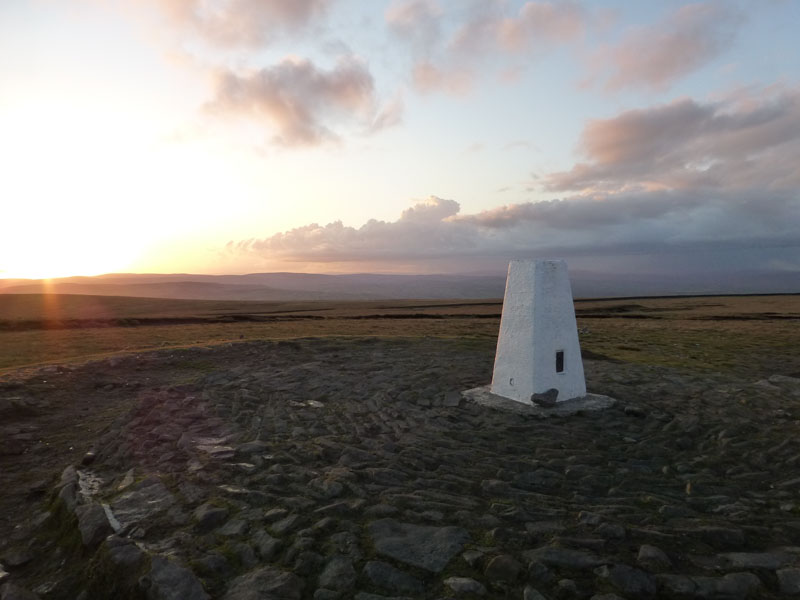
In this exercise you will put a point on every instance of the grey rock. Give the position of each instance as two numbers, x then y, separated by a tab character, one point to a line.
629	581
265	583
209	517
378	511
473	557
233	528
451	399
537	480
254	447
323	525
326	489
495	487
18	558
653	558
355	457
718	537
275	514
245	553
323	594
170	581
9	591
125	553
504	568
4	575
606	597
127	481
566	588
93	524
343	508
589	518
213	565
368	596
285	525
17	406
789	581
465	585
676	586
69	495
338	574
543	528
308	563
635	411
426	547
347	544
611	531
392	580
590	543
733	586
563	557
266	545
147	499
757	560
545	399
531	593
537	571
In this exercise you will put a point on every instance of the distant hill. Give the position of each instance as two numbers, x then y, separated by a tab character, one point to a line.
371	286
268	286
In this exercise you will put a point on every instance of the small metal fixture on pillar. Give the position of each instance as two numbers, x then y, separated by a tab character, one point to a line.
538	357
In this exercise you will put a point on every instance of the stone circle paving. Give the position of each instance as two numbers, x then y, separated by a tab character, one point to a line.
354	468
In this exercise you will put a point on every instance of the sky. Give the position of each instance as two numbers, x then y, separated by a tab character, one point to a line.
400	136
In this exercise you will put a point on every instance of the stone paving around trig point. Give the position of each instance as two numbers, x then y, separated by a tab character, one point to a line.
333	469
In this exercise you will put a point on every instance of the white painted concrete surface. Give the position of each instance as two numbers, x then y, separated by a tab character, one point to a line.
538	321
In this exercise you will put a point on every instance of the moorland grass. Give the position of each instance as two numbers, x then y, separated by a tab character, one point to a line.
760	334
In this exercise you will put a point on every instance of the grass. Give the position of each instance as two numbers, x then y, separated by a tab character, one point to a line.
759	333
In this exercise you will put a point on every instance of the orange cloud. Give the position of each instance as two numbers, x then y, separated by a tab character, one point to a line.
657	55
243	22
745	141
447	47
536	21
301	101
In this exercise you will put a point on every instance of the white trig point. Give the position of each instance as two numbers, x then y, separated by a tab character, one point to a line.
538	349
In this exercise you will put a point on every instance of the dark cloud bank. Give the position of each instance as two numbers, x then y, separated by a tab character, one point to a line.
682	187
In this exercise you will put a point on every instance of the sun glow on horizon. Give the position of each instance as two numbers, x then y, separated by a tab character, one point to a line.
76	259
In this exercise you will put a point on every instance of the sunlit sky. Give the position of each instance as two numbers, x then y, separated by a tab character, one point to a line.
237	136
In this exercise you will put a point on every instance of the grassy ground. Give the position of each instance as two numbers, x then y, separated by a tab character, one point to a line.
713	333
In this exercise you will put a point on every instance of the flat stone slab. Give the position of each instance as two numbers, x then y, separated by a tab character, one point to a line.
423	546
484	397
148	499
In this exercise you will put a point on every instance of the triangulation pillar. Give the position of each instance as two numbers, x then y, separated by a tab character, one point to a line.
538	348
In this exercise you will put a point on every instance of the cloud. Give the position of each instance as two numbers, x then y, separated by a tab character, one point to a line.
748	140
657	55
389	115
449	45
423	230
300	101
418	21
649	223
428	78
249	23
537	21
